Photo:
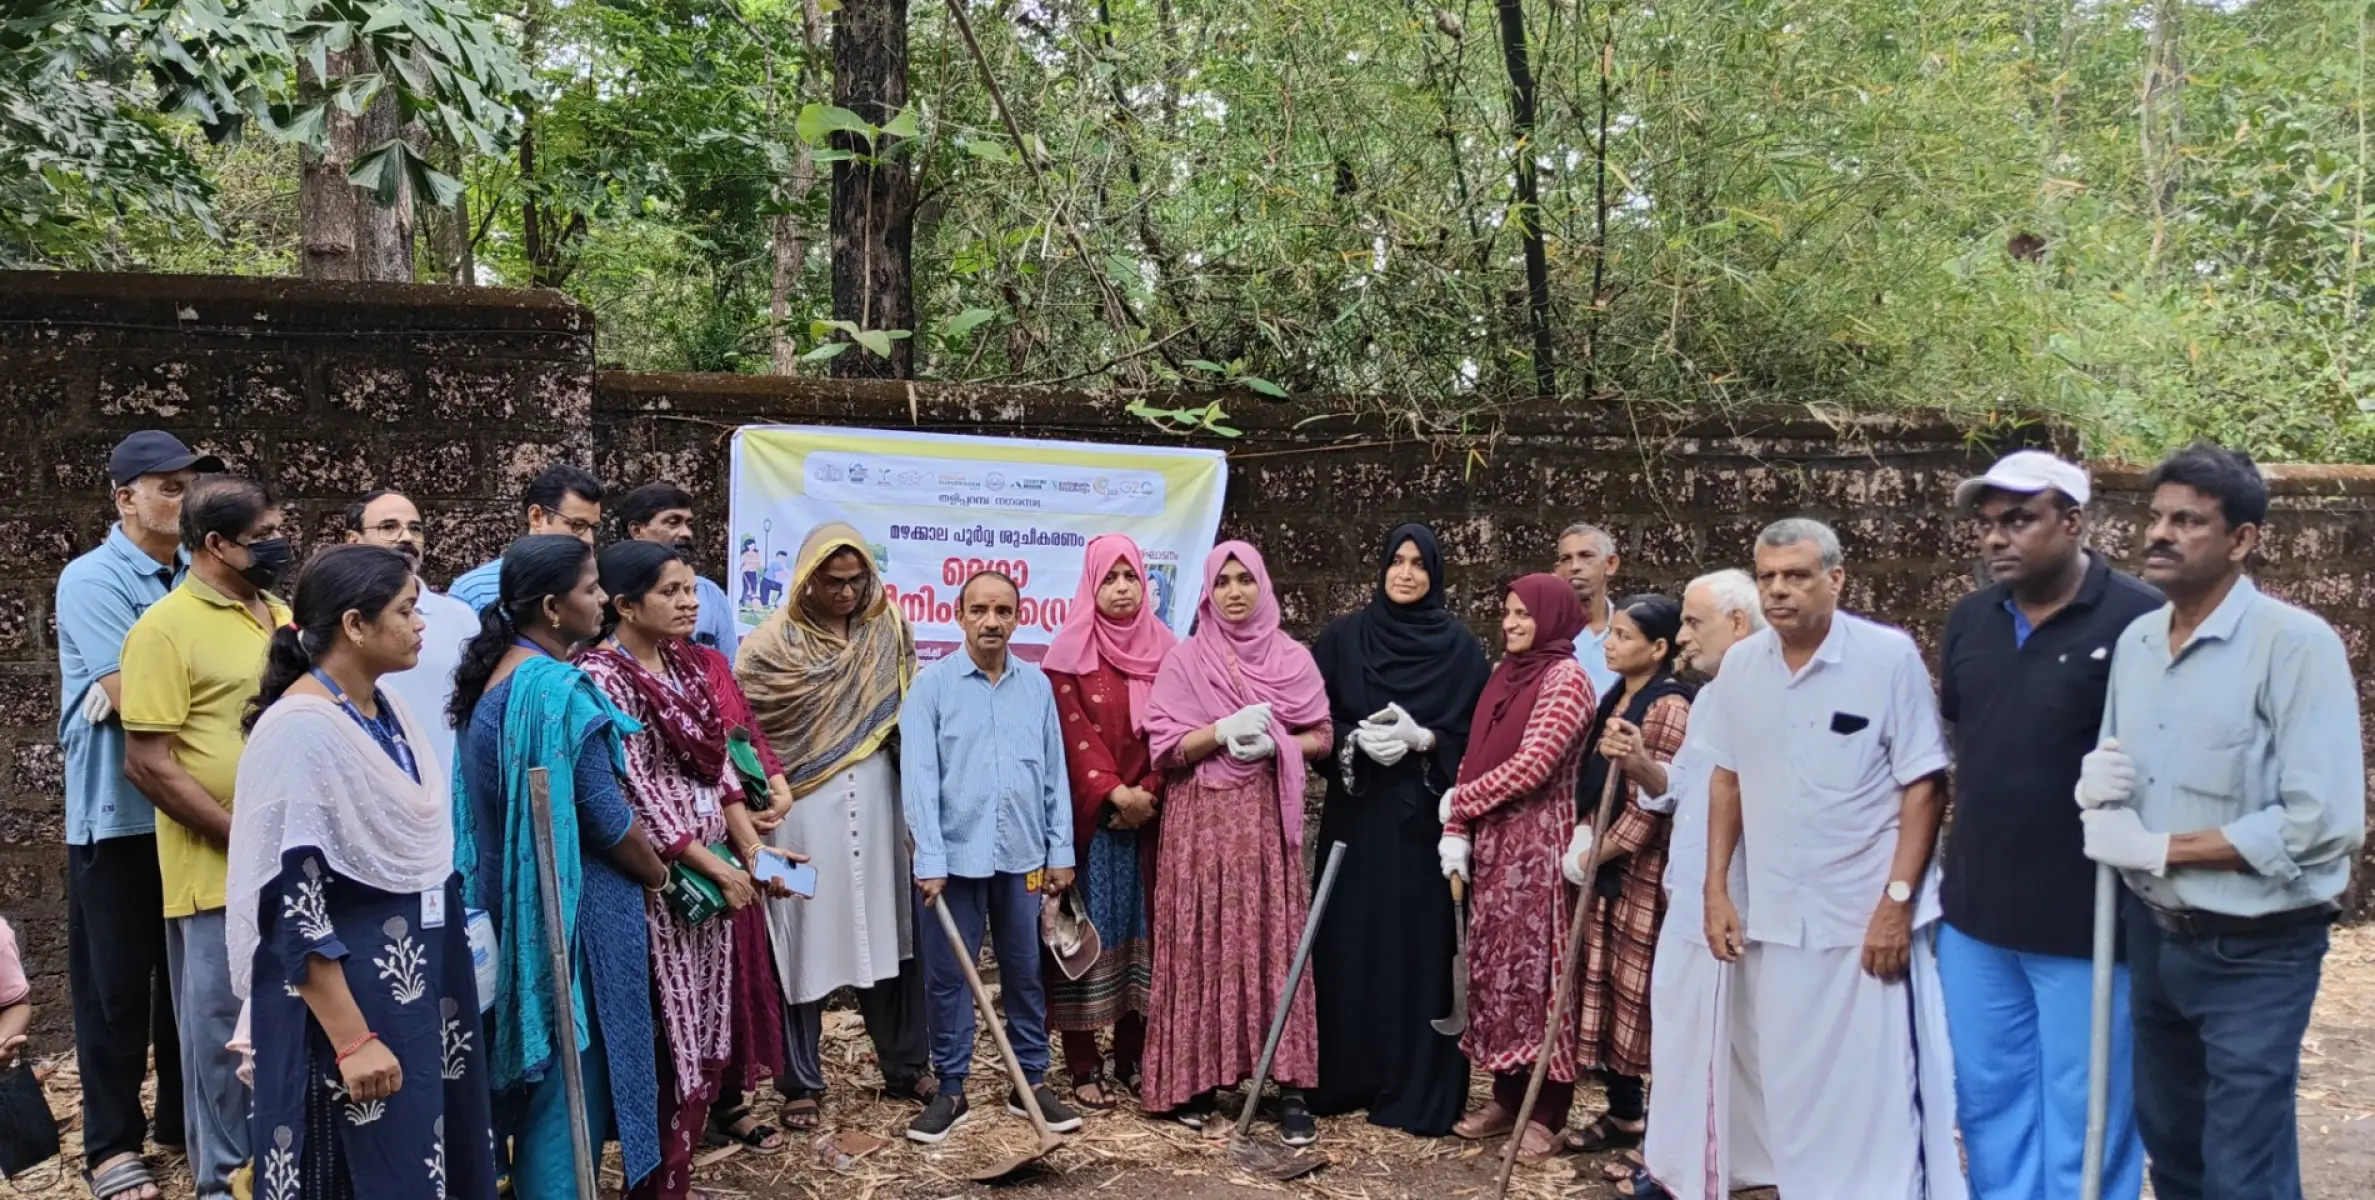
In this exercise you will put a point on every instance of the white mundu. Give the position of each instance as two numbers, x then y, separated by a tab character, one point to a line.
1707	1112
1858	1077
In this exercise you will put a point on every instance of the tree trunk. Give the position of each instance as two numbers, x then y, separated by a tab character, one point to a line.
452	240
1528	209
787	239
345	232
873	193
2161	131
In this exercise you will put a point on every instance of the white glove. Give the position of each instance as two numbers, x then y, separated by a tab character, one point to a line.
1253	749
1579	849
1243	724
96	707
1443	806
1453	851
2106	776
1380	744
1402	729
2116	837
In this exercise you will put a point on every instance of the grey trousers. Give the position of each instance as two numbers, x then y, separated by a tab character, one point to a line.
894	1014
214	1103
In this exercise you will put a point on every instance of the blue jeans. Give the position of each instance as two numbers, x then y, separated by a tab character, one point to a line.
2218	1056
1010	913
2019	1022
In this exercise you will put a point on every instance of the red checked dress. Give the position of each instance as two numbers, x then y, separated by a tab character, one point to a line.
1520	816
1621	941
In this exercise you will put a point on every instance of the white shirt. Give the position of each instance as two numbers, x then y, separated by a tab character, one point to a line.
1591	653
428	687
1824	756
1686	850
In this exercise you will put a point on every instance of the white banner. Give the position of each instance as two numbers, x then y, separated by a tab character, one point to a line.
935	508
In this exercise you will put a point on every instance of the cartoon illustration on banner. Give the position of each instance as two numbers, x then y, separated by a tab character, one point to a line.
938	508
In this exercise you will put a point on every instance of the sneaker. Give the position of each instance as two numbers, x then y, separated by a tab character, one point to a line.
1196	1113
946	1111
1296	1127
1060	1116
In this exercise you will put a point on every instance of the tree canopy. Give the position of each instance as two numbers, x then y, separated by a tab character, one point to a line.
2145	216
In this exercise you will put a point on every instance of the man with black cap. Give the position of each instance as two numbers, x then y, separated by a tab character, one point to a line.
115	965
2025	664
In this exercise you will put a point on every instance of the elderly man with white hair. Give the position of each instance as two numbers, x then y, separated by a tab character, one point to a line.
1707	1113
1827	750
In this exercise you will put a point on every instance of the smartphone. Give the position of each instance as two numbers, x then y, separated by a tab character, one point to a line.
798	878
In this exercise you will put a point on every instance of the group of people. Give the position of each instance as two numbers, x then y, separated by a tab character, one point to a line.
333	802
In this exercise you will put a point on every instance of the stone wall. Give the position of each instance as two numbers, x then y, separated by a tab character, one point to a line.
456	396
460	395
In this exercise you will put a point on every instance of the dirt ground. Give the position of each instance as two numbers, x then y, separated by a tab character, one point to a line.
1123	1155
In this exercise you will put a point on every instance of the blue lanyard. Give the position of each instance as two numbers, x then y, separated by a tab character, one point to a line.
388	734
525	644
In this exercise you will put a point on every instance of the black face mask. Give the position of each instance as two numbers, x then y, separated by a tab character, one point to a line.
269	562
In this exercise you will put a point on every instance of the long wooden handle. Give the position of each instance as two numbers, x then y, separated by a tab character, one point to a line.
1565	990
556	949
989	1017
1459	890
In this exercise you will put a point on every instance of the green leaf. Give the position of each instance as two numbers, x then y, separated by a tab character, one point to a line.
379	171
904	125
876	340
825	351
1205	364
966	322
1264	386
818	122
989	149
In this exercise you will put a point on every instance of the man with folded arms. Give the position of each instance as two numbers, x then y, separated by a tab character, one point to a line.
2229	790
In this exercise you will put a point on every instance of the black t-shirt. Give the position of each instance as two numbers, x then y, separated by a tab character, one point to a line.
2017	875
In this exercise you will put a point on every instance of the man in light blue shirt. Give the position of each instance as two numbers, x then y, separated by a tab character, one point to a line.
663	513
2229	790
1586	559
981	775
564	499
114	893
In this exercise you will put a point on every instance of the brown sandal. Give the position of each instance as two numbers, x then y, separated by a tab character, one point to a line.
1491	1121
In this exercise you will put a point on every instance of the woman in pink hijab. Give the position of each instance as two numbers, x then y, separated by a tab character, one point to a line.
1103	664
1236	710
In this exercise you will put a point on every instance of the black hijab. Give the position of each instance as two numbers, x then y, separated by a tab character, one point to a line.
1416	655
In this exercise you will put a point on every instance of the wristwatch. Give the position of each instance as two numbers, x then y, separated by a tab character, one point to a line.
1900	891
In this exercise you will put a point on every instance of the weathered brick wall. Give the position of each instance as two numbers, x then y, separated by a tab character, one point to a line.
459	395
324	391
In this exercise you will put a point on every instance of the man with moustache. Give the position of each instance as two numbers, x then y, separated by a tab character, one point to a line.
1586	559
2229	790
981	764
115	939
387	518
663	513
2024	667
1707	1114
1827	752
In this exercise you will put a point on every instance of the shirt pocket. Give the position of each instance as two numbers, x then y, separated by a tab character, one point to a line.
2211	753
1840	762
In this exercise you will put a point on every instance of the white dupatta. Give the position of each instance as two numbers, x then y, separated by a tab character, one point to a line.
312	776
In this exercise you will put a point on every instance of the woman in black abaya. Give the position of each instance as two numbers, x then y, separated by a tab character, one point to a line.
1403	676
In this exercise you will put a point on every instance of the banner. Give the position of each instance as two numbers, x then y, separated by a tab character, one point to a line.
936	508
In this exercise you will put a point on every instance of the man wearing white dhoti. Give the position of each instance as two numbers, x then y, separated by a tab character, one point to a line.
1827	748
1707	1112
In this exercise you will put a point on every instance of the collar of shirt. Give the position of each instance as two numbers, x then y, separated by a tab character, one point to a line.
1829	654
138	561
2219	626
2090	594
206	592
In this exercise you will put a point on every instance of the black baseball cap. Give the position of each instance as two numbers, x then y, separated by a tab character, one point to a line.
154	452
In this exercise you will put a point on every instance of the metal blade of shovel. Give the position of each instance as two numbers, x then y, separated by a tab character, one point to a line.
1262	1158
1048	1140
1457	1023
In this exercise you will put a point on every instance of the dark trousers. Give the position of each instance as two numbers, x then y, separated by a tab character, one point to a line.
123	1001
893	1012
1087	1062
1550	1108
2218	1026
1008	912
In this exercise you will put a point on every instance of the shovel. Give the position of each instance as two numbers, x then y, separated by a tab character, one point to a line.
1261	1158
1565	990
556	949
1457	1023
2098	1047
1014	1067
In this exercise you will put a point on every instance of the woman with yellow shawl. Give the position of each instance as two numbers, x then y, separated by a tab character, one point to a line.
825	675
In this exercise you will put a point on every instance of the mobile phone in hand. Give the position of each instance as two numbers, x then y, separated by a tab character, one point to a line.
798	878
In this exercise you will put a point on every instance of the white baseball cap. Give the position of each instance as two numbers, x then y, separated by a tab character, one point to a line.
2026	472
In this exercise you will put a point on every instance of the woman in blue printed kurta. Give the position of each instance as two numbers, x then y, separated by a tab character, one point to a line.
346	925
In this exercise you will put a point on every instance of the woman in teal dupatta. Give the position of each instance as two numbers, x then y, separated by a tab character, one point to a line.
519	706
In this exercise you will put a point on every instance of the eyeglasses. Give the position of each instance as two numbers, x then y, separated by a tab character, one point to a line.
834	583
394	528
578	528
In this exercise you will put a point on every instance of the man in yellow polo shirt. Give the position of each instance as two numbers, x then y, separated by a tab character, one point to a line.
190	665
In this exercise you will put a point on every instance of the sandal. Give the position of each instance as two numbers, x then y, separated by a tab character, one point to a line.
1491	1121
736	1125
1603	1134
1100	1099
1536	1144
1639	1184
122	1178
801	1114
1620	1168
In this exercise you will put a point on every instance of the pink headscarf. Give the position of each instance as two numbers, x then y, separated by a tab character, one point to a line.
1223	667
1134	647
